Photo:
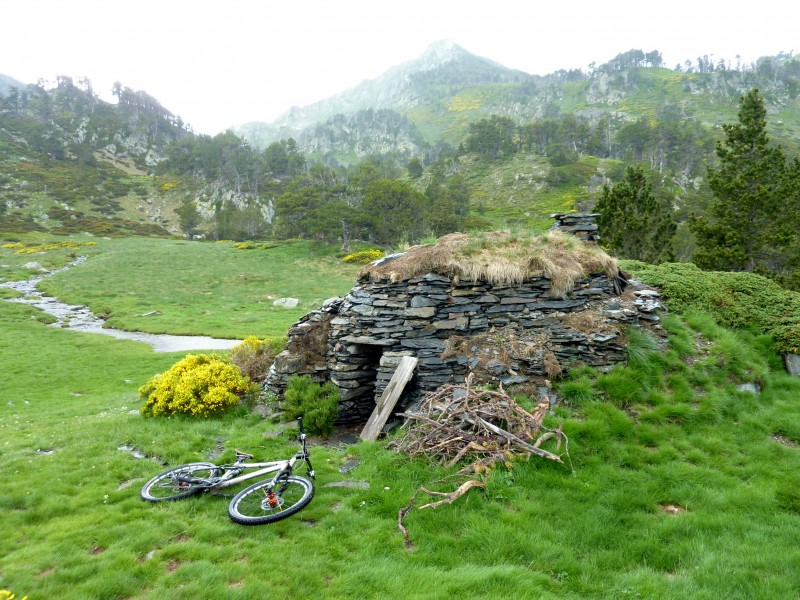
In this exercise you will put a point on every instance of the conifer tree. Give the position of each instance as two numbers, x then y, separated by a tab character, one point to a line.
633	222
752	221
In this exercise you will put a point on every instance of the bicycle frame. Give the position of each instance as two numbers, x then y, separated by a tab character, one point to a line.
263	469
231	472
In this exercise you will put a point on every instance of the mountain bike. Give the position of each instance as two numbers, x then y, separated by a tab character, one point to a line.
267	501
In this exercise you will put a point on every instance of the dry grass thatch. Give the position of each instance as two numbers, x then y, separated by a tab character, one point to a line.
499	258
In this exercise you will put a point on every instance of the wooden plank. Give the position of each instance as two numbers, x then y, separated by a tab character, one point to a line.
389	398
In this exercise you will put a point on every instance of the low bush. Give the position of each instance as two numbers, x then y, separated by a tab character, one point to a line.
736	300
317	404
364	257
198	384
254	356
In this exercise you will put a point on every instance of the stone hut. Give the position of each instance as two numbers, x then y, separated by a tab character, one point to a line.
511	311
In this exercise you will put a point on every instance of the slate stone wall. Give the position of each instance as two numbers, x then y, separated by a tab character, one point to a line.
509	334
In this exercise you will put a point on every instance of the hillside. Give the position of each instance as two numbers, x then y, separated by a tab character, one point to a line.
412	87
446	89
71	162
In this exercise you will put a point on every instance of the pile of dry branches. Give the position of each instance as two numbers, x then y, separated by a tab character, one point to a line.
458	421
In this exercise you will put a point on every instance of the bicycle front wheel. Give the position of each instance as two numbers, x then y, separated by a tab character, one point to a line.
175	483
262	503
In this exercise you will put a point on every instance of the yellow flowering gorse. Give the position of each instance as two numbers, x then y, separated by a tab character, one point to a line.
22	249
364	256
198	384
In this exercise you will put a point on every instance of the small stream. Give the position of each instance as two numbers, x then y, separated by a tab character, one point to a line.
80	318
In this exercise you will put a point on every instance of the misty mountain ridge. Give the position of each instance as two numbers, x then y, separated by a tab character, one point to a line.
403	85
73	162
433	99
401	89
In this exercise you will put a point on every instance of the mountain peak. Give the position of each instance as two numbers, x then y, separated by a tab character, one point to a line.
441	52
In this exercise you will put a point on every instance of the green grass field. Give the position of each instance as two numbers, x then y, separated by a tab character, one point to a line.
199	288
681	485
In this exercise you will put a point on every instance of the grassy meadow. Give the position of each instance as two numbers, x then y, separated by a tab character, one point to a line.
680	485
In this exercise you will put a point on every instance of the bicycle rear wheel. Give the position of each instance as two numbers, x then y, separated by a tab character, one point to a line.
172	484
262	503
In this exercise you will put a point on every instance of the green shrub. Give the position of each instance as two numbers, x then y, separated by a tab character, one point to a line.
364	257
735	300
254	356
317	404
198	384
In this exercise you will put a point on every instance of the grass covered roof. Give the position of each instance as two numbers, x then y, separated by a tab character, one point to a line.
499	258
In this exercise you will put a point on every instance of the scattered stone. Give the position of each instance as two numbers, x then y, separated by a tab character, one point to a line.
286	302
125	484
749	388
45	452
152	313
136	453
34	266
793	364
263	411
496	367
358	485
785	441
349	466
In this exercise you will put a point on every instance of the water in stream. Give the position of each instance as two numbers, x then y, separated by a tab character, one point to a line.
80	318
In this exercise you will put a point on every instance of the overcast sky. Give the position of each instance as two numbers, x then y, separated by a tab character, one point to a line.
219	63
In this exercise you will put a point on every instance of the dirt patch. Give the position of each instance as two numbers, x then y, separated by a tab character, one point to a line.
96	550
785	441
173	565
308	522
702	349
671	509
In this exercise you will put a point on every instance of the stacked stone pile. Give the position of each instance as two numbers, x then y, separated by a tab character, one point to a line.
581	225
514	334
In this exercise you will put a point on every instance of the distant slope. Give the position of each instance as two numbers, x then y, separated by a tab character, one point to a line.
70	162
411	89
6	83
446	89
